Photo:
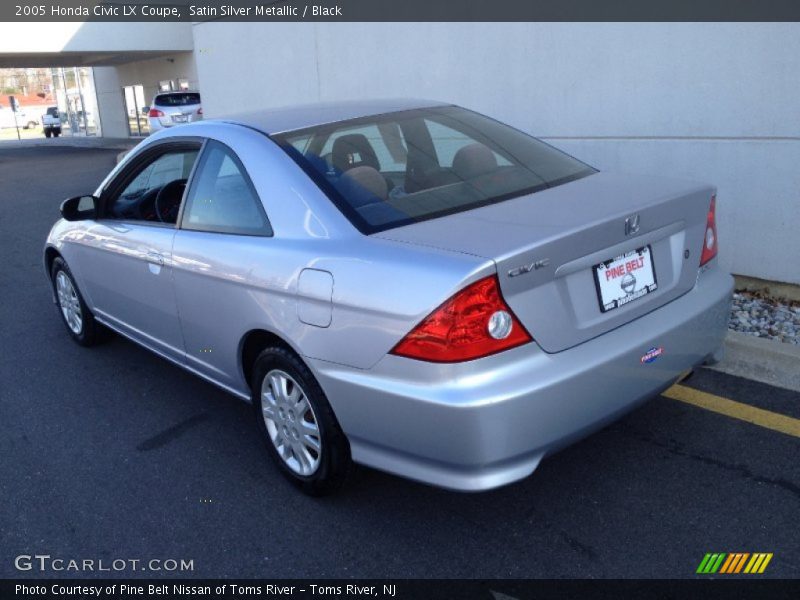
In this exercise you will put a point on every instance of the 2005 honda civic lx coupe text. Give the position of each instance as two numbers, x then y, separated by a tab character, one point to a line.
403	284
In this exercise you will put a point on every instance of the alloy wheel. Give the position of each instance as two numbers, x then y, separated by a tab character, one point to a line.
69	303
291	423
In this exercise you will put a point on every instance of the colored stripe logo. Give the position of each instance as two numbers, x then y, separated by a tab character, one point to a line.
734	562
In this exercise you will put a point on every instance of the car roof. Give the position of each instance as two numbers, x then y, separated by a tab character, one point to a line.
291	118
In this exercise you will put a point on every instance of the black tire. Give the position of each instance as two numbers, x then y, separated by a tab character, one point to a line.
31	125
47	133
334	462
91	332
56	133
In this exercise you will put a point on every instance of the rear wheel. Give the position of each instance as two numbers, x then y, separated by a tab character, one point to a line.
79	321
47	133
56	133
31	125
297	423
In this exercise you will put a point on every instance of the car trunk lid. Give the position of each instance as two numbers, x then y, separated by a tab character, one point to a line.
546	246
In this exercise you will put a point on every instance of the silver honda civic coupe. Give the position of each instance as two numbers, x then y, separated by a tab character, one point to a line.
404	284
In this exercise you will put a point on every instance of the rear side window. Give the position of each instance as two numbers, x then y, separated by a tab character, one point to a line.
222	198
399	168
177	99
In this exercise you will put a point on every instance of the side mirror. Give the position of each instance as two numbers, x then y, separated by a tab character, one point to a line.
79	208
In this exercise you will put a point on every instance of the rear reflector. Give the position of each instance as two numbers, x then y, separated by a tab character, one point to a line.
710	242
474	323
154	112
200	111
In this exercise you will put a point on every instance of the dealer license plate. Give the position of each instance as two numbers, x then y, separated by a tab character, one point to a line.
625	278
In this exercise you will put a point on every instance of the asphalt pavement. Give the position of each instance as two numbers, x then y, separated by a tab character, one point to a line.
113	453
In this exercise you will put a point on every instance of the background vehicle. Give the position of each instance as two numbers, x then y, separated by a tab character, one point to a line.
22	119
51	122
406	284
174	108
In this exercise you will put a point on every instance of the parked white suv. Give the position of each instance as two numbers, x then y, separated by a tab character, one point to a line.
174	108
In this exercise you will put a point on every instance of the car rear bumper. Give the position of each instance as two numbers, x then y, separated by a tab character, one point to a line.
478	425
159	123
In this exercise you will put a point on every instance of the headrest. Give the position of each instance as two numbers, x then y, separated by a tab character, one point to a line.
353	150
363	185
473	160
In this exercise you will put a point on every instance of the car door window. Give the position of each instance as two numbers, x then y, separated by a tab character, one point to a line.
222	198
154	192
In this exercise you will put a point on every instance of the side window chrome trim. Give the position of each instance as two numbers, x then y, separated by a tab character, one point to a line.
110	222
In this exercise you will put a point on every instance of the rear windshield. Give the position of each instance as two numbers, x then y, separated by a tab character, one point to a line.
52	111
399	168
177	99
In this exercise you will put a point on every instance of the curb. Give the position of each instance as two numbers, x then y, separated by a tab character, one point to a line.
773	289
73	142
768	361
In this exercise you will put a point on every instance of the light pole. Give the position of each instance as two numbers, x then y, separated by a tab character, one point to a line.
83	106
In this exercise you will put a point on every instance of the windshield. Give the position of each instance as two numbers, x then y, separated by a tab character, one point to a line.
399	168
177	99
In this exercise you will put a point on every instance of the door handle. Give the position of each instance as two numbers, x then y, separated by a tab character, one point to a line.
155	258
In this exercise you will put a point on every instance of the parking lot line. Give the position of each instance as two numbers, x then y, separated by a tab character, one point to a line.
736	410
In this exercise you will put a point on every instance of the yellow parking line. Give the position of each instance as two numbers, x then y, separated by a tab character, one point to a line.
736	410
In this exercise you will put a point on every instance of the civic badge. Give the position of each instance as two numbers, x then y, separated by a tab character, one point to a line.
538	264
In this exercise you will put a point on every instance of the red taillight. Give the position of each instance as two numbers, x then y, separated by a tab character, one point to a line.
200	111
710	237
154	112
474	323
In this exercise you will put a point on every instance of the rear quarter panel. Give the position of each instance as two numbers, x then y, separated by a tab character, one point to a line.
379	293
235	284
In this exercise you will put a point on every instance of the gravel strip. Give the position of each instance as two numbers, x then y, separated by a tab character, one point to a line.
757	315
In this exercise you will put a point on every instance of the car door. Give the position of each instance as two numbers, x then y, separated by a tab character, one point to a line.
127	254
219	244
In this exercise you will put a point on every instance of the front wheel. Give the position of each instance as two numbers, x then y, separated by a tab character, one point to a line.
298	425
76	316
